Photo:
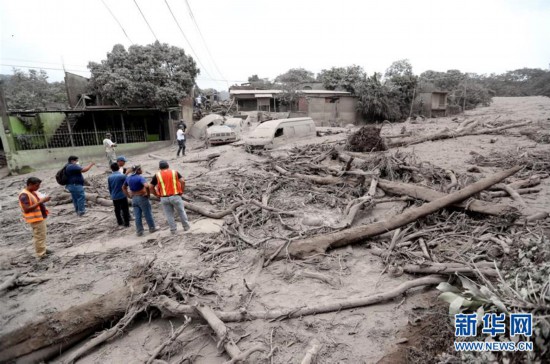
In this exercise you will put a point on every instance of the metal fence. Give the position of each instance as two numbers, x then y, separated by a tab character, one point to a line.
76	139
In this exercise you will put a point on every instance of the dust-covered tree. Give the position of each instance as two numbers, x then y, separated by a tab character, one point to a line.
376	102
260	83
156	75
31	90
465	89
402	82
295	76
345	78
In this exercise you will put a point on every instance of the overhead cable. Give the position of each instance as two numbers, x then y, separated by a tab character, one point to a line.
203	40
144	18
120	25
185	37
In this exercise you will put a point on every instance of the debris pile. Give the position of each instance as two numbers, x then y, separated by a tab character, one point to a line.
366	139
283	216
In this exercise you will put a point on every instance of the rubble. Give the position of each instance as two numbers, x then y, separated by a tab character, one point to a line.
417	216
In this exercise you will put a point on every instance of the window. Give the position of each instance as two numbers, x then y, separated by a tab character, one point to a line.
279	132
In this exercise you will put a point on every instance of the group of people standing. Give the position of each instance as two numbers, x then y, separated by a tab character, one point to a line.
123	184
167	184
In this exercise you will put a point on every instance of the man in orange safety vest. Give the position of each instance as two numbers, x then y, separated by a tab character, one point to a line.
169	185
34	211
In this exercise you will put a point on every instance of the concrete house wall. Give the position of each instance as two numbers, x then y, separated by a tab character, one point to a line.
332	111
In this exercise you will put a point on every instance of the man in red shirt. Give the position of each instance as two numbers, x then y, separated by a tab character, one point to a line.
35	213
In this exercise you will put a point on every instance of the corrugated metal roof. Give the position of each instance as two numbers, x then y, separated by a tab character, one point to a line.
241	92
267	92
323	92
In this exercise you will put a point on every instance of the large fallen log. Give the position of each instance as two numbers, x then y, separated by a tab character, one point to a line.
319	244
220	329
60	327
171	308
205	158
427	194
212	214
448	134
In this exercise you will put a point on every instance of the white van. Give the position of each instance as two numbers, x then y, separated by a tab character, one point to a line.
274	132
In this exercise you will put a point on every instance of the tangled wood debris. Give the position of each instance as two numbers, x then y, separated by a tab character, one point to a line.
290	213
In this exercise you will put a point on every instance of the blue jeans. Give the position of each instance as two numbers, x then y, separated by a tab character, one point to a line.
141	205
79	198
171	203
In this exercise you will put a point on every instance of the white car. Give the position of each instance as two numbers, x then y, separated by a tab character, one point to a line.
220	134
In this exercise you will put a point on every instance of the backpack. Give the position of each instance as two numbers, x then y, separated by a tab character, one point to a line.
61	176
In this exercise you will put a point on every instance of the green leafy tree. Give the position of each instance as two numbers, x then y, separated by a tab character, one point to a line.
31	90
156	75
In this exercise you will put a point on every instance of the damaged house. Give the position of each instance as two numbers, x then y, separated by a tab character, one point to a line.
325	107
33	139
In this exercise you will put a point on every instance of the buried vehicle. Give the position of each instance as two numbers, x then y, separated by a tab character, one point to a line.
274	132
221	134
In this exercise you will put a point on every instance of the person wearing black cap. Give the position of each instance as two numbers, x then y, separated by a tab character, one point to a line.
120	201
75	183
169	185
137	188
121	161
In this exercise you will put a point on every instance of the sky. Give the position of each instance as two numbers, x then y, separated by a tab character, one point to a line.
234	39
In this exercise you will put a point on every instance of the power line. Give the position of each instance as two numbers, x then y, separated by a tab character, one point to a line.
188	42
44	62
42	68
203	40
120	25
144	18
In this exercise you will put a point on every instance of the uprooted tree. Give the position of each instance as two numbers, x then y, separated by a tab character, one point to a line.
153	75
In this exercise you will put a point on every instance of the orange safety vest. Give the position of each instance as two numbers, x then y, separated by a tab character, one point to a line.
168	183
36	214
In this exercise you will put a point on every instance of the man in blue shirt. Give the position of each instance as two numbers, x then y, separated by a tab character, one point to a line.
137	188
75	183
122	210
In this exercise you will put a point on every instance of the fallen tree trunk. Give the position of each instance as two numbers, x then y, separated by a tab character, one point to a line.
212	214
60	327
319	244
202	159
513	193
220	329
171	308
448	134
522	191
427	194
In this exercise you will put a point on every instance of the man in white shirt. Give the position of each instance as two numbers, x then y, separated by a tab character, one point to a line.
109	149
180	136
